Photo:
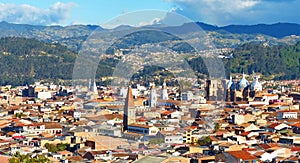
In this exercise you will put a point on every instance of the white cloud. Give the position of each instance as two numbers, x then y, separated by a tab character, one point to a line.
136	19
224	12
154	21
26	14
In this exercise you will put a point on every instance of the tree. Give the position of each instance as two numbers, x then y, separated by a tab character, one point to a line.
55	148
61	147
204	141
217	127
19	158
156	141
18	115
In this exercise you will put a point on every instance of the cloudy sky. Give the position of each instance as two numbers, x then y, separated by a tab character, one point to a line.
216	12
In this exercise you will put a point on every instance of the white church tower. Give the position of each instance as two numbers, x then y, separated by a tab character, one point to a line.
93	87
164	92
153	96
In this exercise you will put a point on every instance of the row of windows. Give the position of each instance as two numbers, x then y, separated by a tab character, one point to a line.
290	116
105	131
137	130
180	139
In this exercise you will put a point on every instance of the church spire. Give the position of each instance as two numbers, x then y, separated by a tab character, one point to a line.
129	110
95	87
129	98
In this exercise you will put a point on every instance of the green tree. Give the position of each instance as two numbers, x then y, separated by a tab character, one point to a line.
61	147
18	115
217	127
19	158
204	141
156	141
55	148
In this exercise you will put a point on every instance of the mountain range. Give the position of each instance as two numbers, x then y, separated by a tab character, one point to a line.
29	52
226	36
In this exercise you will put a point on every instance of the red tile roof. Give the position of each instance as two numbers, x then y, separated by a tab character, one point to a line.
243	155
51	125
245	133
267	146
296	125
139	125
295	149
273	125
4	159
166	112
142	119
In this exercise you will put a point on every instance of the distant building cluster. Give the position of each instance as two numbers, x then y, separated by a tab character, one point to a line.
220	121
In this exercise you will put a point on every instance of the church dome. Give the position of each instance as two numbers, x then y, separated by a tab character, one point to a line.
243	83
256	85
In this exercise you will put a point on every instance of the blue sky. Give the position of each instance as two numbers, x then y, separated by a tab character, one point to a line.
216	12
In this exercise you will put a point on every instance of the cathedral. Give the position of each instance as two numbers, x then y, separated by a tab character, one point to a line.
242	90
232	90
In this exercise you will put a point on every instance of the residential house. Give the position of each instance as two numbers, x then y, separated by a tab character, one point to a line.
251	127
287	114
108	130
275	127
171	137
98	155
240	157
143	129
65	153
46	127
291	140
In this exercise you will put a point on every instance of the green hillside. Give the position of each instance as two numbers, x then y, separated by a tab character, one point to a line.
24	61
280	62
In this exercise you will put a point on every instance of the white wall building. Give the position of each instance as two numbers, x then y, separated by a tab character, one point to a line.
44	95
287	115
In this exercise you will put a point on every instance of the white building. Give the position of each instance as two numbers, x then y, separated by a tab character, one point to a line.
187	96
44	95
173	138
77	114
256	85
143	129
238	119
287	115
164	92
153	96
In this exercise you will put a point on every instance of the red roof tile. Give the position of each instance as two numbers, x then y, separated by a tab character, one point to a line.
273	125
4	159
243	155
245	133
